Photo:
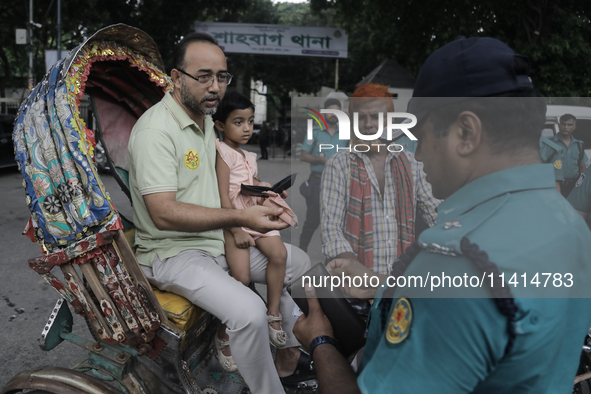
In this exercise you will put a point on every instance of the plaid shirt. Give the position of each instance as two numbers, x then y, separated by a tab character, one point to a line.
334	196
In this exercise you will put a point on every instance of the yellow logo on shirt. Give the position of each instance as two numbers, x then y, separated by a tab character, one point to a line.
558	164
192	159
399	324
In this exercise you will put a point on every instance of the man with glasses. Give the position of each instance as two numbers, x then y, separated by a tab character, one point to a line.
179	219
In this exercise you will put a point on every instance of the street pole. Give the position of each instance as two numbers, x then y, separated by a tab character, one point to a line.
336	76
30	83
59	30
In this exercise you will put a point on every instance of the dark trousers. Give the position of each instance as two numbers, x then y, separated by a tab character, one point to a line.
567	186
313	212
264	154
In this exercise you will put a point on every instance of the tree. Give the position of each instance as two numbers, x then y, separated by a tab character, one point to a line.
167	21
553	35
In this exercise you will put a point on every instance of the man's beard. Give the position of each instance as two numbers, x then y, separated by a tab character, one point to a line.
191	102
332	120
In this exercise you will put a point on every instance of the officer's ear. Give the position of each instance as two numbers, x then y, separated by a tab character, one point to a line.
467	133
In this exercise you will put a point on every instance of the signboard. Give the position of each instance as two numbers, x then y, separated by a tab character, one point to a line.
277	40
21	36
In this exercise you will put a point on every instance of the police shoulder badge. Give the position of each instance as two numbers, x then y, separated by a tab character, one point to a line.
192	159
400	321
558	164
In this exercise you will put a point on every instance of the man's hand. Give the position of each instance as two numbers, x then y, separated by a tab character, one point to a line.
242	239
284	194
347	267
315	324
265	184
263	219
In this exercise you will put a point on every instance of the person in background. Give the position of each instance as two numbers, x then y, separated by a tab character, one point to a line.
573	158
370	199
264	135
311	153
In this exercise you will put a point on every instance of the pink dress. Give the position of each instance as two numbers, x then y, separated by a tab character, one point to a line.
243	169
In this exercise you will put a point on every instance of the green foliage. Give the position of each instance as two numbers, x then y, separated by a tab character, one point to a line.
555	36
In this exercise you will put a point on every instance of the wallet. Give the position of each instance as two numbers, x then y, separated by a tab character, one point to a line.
348	327
279	187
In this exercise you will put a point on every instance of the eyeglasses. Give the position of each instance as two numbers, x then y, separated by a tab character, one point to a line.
207	80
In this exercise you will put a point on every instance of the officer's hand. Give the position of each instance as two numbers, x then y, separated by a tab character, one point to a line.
315	324
262	219
353	268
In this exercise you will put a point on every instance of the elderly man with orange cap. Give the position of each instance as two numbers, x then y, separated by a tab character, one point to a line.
372	192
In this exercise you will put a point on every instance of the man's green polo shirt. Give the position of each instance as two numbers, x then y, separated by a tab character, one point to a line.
329	147
170	153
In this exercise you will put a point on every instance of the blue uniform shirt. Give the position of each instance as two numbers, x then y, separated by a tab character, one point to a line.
322	137
457	345
580	197
408	144
571	156
552	153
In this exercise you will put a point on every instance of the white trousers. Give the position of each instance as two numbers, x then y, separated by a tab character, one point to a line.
204	280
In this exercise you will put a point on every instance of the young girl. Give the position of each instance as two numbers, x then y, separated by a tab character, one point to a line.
235	118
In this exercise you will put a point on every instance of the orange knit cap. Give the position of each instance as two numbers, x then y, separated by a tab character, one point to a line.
367	92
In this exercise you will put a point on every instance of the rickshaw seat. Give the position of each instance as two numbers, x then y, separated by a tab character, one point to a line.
180	311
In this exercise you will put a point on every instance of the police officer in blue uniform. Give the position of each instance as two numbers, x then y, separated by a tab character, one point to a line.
316	151
572	158
501	219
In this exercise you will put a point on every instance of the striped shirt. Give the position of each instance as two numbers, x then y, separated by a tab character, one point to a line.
334	196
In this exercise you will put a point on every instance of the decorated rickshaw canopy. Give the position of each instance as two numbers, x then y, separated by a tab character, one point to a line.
120	68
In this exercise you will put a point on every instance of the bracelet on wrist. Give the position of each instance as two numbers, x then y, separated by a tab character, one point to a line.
324	339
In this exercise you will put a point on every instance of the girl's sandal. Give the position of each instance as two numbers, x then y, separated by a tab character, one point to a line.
277	337
227	362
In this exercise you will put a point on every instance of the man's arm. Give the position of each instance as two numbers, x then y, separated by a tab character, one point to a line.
169	214
334	374
309	158
426	203
308	147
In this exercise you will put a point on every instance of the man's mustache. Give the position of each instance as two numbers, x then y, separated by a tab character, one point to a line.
207	97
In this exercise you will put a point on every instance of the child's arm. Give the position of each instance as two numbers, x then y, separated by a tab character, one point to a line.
223	173
243	239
